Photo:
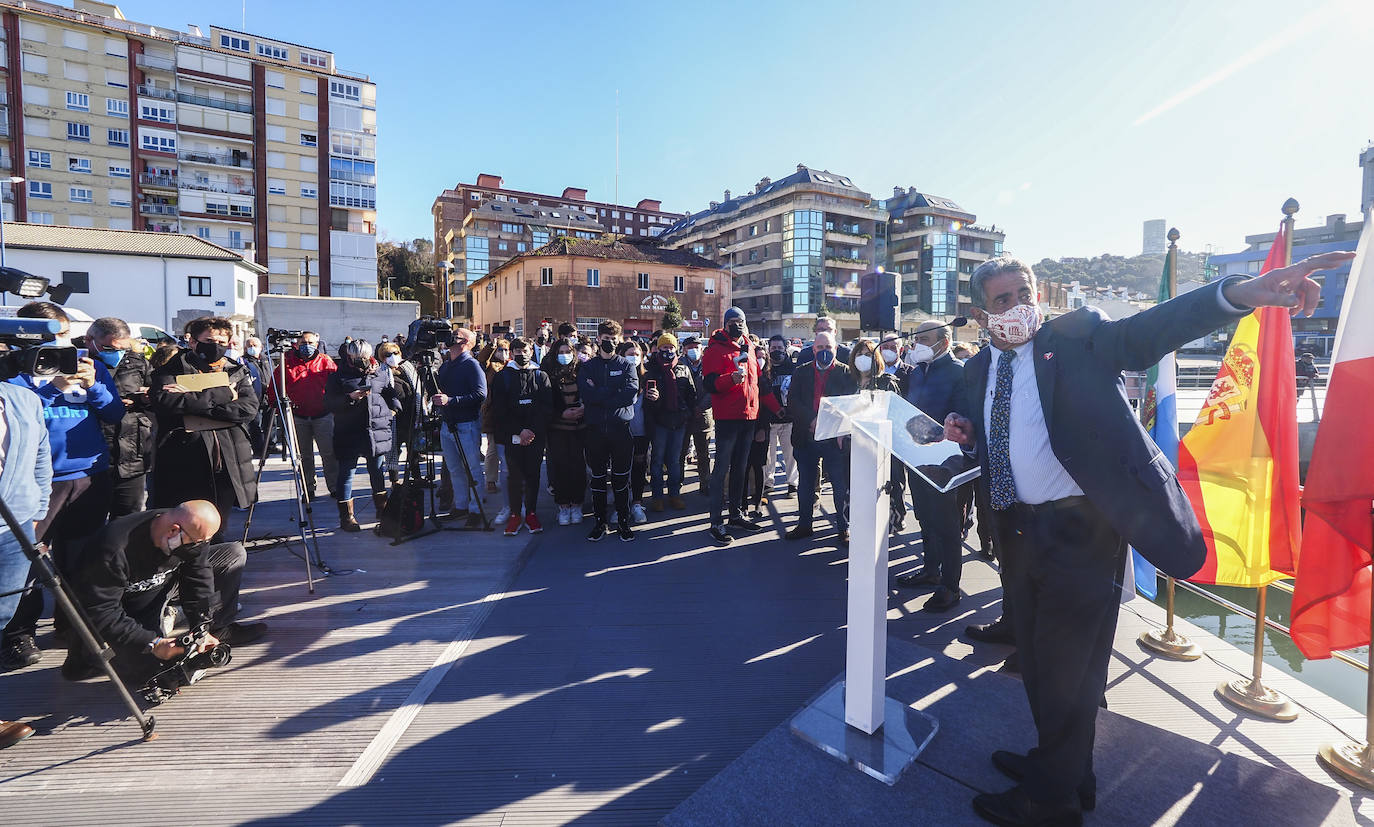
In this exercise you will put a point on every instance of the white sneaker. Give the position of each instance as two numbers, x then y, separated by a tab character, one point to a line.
576	515
612	519
637	515
564	518
502	516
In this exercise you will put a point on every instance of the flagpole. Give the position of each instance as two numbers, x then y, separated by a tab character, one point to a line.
1169	643
1351	759
1252	695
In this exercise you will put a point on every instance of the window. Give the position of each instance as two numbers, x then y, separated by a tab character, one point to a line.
308	163
116	108
82	165
120	198
78	282
708	286
156	112
78	101
309	191
276	106
474	196
41	160
615	213
546	277
119	171
36	95
40	189
541	237
274	80
276	186
699	249
198	285
216	208
344	91
154	142
116	48
679	284
307	139
501	245
40	217
312	59
309	86
117	79
79	132
117	137
593	277
276	239
510	228
588	236
276	133
307	111
34	63
643	281
238	44
344	194
33	31
753	230
276	160
81	195
74	71
275	52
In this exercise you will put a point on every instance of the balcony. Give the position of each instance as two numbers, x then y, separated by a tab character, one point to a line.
161	64
352	177
846	262
156	92
147	179
846	237
158	209
4	123
217	186
161	227
217	103
6	162
224	160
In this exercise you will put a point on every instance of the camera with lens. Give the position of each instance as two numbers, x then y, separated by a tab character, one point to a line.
425	338
29	349
190	667
278	339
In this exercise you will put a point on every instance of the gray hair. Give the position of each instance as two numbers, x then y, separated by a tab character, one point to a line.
995	267
934	325
358	350
108	326
827	336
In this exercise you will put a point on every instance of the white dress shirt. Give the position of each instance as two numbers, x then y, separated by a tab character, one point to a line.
1039	475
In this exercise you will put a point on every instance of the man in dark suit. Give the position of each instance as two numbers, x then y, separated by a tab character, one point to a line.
823	324
1073	479
935	385
825	376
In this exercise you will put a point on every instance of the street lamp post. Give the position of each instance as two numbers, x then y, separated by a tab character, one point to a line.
445	268
12	180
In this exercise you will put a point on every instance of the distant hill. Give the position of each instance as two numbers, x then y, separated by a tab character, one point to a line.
1140	273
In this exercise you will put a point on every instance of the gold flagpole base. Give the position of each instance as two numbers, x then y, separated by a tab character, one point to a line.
1249	695
1170	645
1351	760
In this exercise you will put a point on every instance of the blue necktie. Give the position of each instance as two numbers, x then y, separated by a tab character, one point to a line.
1000	482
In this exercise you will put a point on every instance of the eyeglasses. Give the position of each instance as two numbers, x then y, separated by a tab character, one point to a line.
458	341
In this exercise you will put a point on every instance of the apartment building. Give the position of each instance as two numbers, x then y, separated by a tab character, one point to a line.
934	245
792	248
480	226
256	144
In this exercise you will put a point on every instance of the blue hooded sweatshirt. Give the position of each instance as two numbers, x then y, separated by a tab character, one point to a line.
78	446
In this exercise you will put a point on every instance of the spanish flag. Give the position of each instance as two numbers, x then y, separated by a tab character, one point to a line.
1239	462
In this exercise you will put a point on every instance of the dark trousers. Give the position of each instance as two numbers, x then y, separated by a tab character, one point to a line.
758	479
522	475
733	437
639	468
809	456
942	544
667	453
348	449
567	467
128	496
1061	566
79	518
973	498
609	452
699	439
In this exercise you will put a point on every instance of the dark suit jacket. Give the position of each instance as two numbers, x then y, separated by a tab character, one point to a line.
801	397
1094	432
807	355
939	390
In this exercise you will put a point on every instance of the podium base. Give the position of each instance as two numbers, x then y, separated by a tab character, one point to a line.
1172	647
1248	695
1351	760
882	755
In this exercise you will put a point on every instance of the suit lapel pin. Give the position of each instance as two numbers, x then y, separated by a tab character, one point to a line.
1048	355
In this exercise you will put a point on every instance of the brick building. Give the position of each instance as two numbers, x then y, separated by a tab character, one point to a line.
588	280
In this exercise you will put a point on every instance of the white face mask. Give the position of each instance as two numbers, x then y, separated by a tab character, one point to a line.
919	353
633	359
890	359
1017	325
393	360
252	352
174	543
693	354
565	358
863	364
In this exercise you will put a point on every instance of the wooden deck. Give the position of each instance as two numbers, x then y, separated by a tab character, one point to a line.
479	679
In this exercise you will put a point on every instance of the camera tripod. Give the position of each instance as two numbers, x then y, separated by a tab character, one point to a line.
100	651
284	424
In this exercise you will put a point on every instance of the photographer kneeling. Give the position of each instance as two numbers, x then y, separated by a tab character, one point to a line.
126	575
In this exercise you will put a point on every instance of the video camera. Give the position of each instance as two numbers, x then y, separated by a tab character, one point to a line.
187	669
275	336
29	352
426	337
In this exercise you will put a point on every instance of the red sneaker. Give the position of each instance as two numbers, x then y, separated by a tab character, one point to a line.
513	525
532	522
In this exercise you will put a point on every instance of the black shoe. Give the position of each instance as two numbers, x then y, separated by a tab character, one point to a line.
1015	808
1012	665
743	524
800	533
986	552
918	579
998	631
1014	765
626	533
942	601
598	531
791	490
719	535
238	634
18	652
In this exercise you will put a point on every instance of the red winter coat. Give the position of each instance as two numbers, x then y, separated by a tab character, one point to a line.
730	401
304	383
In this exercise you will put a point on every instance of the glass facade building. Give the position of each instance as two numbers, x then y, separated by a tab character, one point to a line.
803	240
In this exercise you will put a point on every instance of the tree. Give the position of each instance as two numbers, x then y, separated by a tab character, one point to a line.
404	268
672	316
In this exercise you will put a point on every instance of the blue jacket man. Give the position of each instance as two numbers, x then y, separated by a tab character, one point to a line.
462	390
1073	477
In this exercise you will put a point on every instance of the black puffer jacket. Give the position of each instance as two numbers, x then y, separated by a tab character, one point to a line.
371	414
520	399
133	439
658	412
181	452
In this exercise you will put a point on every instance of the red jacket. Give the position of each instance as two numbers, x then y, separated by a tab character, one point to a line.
304	383
728	400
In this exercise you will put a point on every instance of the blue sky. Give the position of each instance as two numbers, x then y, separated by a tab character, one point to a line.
1067	124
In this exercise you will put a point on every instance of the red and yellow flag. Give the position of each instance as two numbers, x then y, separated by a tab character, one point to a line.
1239	462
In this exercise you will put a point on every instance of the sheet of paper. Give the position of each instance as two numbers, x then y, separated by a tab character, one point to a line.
203	381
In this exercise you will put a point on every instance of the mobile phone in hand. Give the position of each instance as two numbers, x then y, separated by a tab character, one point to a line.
651	385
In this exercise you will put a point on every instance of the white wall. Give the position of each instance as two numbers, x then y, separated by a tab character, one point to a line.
134	288
353	264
